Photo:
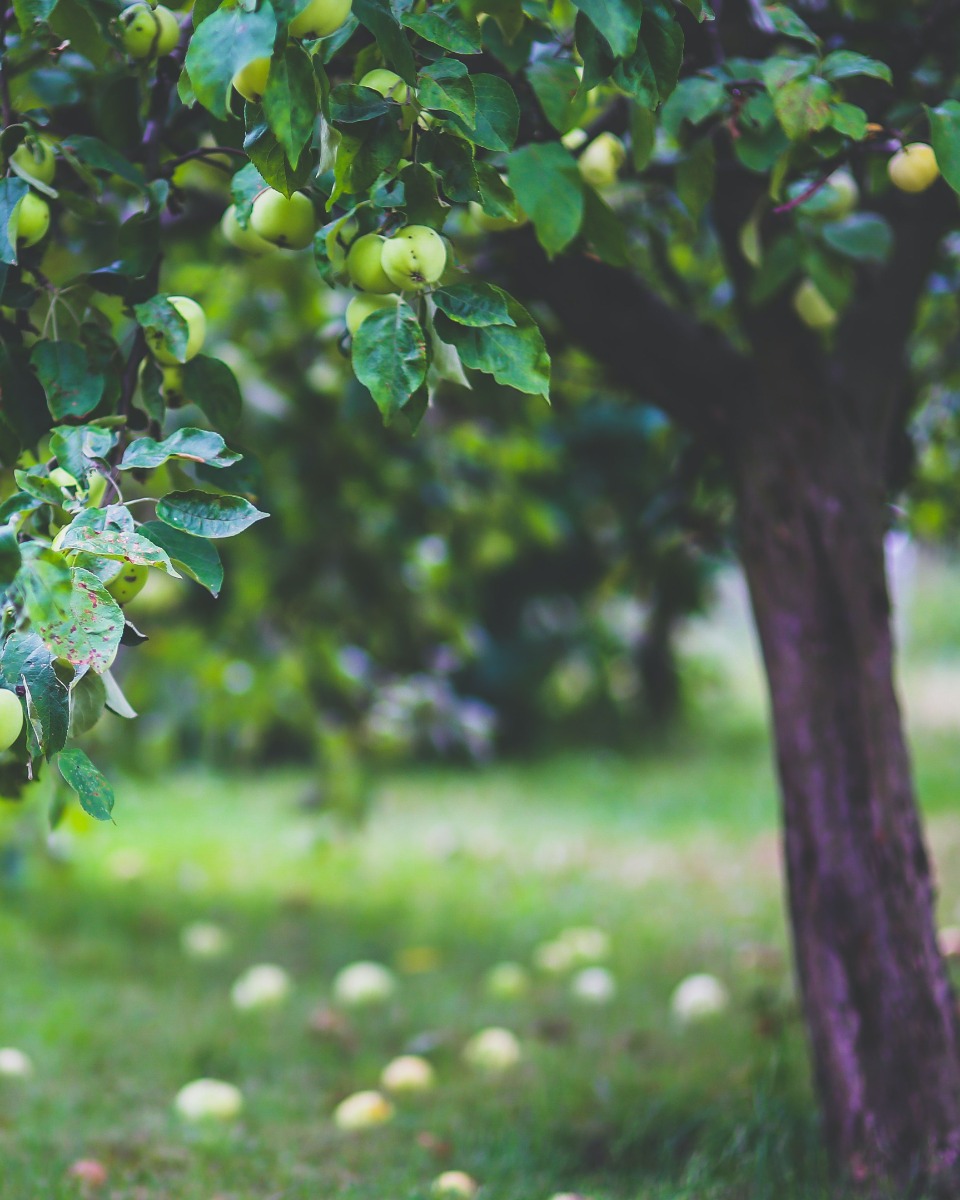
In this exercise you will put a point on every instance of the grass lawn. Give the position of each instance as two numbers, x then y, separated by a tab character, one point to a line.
673	853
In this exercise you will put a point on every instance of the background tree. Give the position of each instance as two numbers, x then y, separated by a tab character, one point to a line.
758	278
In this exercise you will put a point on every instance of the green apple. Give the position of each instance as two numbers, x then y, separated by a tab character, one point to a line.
196	320
128	582
243	239
365	265
490	224
914	167
169	36
11	718
812	307
392	87
97	489
363	1110
63	478
251	80
141	31
361	307
339	240
286	222
30	220
36	158
602	160
836	199
320	18
171	386
414	257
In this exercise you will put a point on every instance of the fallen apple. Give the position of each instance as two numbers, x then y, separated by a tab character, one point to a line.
262	986
364	983
408	1073
699	997
363	1110
454	1183
14	1064
492	1050
209	1100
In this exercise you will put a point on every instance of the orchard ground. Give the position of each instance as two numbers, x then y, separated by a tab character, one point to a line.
673	852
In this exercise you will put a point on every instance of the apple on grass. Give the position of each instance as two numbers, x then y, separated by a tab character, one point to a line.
363	1110
14	1064
492	1050
507	981
698	997
203	939
208	1100
408	1073
593	985
454	1183
259	987
364	983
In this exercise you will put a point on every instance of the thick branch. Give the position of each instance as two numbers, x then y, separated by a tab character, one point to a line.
687	370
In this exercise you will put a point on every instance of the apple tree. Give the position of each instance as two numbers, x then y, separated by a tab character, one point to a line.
737	210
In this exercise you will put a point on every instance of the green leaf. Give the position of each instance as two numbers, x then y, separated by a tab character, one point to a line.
514	355
556	84
196	445
245	186
351	104
270	159
453	160
474	303
390	357
163	325
75	447
213	387
865	237
423	206
695	178
10	557
945	137
88	697
83	150
205	515
844	64
694	100
850	120
122	545
498	114
93	790
12	191
30	12
35	482
379	17
72	611
26	660
662	36
194	556
116	701
803	106
446	27
547	183
635	76
290	101
73	388
643	134
785	21
617	20
446	86
604	230
224	43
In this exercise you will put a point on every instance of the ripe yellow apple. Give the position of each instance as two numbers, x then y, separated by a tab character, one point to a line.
320	18
288	223
196	320
37	158
812	307
602	160
243	239
30	220
11	718
365	265
914	167
251	80
414	257
141	31
128	582
169	36
361	307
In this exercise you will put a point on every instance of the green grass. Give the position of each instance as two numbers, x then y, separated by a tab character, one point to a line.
673	852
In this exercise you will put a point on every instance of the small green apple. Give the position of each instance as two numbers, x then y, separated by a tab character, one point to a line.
836	199
339	240
30	220
169	36
243	239
392	87
286	222
128	582
251	81
196	320
495	224
361	307
141	31
11	718
171	386
414	257
914	167
365	265
601	161
36	158
320	18
812	307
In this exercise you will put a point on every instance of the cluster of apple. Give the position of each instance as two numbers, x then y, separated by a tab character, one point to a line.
913	169
413	259
35	159
149	31
319	19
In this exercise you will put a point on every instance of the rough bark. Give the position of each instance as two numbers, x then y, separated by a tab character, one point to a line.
878	1005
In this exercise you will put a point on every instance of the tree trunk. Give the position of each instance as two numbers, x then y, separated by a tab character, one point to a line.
879	1008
